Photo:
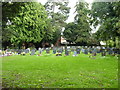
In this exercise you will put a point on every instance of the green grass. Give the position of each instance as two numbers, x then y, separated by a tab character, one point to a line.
50	71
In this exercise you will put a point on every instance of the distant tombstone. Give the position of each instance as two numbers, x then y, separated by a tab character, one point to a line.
116	51
54	50
69	49
27	50
90	50
103	53
75	53
110	51
86	51
40	50
94	51
83	50
78	50
72	48
66	52
19	51
60	50
47	50
33	52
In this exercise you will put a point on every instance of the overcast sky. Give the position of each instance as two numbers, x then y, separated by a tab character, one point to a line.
72	10
71	4
72	13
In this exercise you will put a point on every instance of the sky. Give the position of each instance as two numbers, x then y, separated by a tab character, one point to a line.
72	10
71	4
72	13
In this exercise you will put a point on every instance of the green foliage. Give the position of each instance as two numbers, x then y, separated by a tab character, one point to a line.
28	23
107	14
79	31
48	37
9	11
82	20
57	18
71	32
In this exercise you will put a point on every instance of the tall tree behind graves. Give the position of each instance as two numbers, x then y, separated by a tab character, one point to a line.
79	31
58	17
107	15
82	21
28	24
9	11
71	32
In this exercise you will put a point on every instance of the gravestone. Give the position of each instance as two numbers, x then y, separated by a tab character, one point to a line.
74	53
69	50
103	53
110	51
40	51
72	48
33	52
66	52
27	50
83	50
54	50
86	51
19	51
90	49
93	52
47	50
78	50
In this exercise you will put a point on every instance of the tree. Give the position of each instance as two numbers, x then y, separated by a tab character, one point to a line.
82	21
29	24
107	14
9	11
71	32
79	31
58	17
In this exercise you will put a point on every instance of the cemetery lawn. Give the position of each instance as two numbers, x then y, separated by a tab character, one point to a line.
50	71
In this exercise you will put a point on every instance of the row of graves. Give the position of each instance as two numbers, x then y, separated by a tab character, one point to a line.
76	50
63	50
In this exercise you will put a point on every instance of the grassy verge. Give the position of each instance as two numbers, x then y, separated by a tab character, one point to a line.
50	71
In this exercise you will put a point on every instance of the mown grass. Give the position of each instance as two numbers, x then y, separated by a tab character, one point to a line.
50	71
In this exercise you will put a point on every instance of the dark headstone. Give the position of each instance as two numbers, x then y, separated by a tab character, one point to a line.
66	52
78	50
103	51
